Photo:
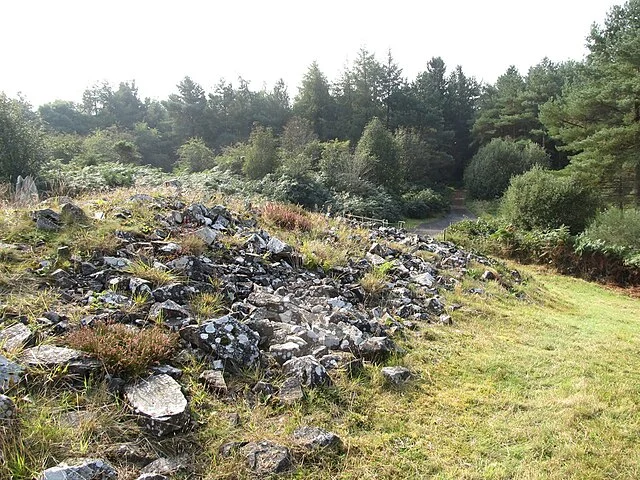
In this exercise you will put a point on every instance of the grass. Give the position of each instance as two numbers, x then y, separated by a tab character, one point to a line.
157	276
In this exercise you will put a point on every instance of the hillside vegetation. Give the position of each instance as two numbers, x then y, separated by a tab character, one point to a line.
509	375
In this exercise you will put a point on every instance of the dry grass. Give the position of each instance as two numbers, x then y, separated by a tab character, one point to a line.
287	217
122	348
157	276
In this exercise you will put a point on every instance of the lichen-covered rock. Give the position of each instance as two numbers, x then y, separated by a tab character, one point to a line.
10	373
164	466
160	403
314	437
80	469
172	314
50	357
7	410
290	391
308	370
266	458
15	337
228	340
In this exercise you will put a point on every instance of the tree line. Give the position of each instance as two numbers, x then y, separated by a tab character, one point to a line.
370	128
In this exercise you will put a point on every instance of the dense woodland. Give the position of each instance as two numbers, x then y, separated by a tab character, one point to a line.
370	134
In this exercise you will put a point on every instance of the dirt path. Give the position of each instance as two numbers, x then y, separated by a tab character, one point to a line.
458	213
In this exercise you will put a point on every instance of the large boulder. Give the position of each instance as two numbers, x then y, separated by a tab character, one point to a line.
160	403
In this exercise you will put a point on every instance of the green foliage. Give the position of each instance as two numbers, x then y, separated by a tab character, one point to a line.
76	178
377	146
307	191
124	349
195	156
423	203
111	145
232	158
614	230
539	199
376	203
262	155
22	150
490	171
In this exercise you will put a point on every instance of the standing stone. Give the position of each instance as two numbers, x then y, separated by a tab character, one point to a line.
10	374
26	191
214	380
80	469
160	403
266	458
15	337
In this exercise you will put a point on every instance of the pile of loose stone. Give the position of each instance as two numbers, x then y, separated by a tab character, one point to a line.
292	322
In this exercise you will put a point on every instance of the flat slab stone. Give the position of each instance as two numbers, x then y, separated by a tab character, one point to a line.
15	337
80	469
10	373
51	357
160	403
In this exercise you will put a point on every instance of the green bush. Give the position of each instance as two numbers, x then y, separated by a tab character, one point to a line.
614	230
540	199
306	192
423	203
491	169
376	204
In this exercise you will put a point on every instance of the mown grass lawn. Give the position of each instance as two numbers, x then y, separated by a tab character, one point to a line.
547	388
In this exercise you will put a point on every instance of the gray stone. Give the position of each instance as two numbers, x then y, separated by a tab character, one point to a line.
207	234
488	275
290	391
116	262
314	437
72	214
214	380
171	248
174	291
308	370
396	375
424	279
50	357
160	403
229	340
266	458
164	466
376	348
10	374
15	337
46	219
277	247
80	469
152	476
284	351
375	260
26	191
7	410
111	298
170	312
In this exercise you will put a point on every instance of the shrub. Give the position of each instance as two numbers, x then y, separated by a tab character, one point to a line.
262	154
122	348
423	203
306	192
195	156
376	204
540	199
616	226
287	216
491	169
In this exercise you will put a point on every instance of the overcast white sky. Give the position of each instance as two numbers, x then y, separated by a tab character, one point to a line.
54	49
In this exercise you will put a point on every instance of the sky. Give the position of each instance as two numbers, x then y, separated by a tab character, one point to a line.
56	49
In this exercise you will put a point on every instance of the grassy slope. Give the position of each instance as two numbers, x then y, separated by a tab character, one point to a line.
544	390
